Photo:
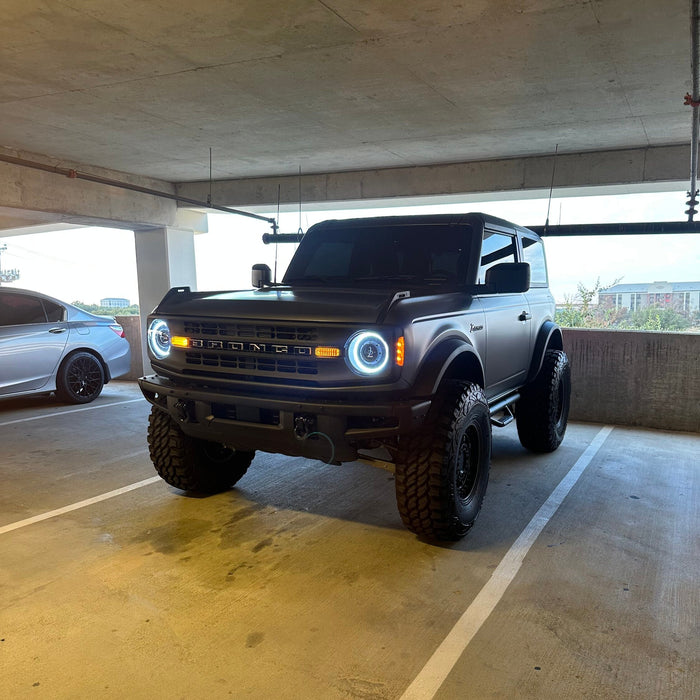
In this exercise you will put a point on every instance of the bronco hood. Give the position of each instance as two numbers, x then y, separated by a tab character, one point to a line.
280	304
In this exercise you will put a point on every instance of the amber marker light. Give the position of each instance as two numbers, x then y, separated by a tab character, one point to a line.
400	351
324	351
177	341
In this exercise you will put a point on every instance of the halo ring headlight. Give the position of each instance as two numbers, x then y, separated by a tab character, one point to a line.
367	353
159	338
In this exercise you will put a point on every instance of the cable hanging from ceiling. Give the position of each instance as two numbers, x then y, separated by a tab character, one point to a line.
693	100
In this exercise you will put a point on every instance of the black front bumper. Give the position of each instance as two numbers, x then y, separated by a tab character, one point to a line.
329	430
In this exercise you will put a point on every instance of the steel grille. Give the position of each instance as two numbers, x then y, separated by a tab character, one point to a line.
248	331
252	363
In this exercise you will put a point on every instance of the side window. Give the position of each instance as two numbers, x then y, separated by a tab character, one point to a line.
54	312
533	253
20	309
496	248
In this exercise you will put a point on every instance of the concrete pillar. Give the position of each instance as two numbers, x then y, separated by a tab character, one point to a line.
164	259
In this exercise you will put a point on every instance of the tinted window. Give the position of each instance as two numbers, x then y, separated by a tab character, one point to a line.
533	253
54	312
20	309
497	248
383	255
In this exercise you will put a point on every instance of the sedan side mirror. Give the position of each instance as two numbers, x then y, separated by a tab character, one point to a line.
261	275
508	278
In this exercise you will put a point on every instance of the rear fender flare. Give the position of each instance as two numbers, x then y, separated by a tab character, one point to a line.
548	338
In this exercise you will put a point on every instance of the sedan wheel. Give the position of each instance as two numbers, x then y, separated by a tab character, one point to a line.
80	378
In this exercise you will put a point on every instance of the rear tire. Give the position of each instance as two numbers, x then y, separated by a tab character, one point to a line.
189	463
542	412
80	378
442	470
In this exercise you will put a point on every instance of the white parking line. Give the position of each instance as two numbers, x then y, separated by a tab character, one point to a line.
78	505
72	410
434	673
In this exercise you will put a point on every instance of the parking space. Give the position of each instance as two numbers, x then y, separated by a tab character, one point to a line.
302	582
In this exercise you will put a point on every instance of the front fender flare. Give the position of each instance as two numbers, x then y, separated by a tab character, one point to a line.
439	361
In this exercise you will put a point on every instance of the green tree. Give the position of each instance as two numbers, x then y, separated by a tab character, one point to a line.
132	310
579	311
655	318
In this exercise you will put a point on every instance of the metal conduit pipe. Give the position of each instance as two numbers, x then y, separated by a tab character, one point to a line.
695	102
75	174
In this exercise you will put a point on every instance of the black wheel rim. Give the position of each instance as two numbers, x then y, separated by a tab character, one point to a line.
468	457
84	377
217	453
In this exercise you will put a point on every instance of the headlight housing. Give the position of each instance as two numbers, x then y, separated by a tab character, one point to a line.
159	338
367	353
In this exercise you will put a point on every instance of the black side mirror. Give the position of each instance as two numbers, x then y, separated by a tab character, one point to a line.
261	275
508	278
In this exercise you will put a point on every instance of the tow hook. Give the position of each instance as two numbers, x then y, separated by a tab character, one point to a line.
303	426
183	411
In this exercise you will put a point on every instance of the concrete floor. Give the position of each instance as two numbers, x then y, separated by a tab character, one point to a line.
302	582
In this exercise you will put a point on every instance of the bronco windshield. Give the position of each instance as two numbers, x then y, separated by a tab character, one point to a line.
383	256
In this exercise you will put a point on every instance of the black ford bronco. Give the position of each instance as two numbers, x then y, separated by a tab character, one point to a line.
410	336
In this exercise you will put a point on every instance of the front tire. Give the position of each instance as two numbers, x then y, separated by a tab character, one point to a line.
542	412
442	470
189	463
80	378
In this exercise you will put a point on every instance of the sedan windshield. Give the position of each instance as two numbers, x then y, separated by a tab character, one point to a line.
381	256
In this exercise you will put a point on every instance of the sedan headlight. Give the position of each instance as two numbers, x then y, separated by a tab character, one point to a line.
367	353
159	338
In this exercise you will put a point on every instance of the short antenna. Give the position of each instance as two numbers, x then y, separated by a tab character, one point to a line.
279	194
299	230
209	195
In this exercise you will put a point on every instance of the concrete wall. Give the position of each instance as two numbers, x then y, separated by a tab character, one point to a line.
132	330
618	377
635	378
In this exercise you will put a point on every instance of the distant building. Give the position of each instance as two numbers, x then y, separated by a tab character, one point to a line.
680	296
114	302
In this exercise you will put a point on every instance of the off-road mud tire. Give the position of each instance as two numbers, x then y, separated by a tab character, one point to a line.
191	464
442	470
543	409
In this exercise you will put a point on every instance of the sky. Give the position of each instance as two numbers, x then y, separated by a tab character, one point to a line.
88	264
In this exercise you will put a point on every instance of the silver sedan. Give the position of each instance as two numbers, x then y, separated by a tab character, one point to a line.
47	345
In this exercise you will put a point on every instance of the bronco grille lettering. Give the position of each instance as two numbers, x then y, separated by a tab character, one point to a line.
238	346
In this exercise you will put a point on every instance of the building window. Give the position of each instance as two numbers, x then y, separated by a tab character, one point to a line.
635	302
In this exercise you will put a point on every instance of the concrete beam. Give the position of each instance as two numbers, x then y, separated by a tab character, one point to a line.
632	167
59	199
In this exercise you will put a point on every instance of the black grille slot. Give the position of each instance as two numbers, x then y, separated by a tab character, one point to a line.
252	363
248	331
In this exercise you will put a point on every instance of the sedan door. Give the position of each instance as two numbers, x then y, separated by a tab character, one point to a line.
31	345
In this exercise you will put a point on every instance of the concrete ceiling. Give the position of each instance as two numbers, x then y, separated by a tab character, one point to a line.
272	86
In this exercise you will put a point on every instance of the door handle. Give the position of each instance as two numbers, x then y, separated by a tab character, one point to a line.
57	330
524	316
